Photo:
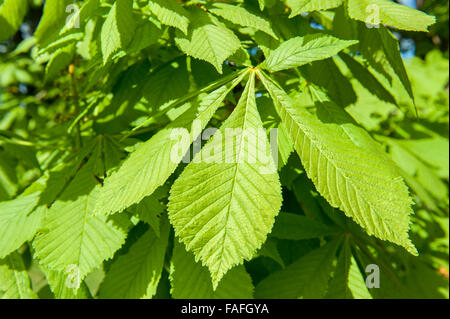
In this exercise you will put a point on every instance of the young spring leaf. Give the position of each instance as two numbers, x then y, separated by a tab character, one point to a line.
299	51
208	40
380	48
224	203
118	28
243	17
52	20
300	6
71	236
347	167
170	13
19	220
376	12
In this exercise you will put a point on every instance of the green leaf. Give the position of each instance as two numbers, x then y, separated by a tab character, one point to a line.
265	42
18	222
190	280
12	13
375	12
270	250
266	4
262	4
53	18
208	40
300	6
62	42
14	280
348	282
432	151
366	78
298	227
8	177
147	33
63	285
306	278
347	167
21	217
118	28
243	17
299	51
271	121
224	203
407	160
151	164
59	60
329	78
149	210
380	48
72	236
167	84
136	274
285	145
76	18
171	13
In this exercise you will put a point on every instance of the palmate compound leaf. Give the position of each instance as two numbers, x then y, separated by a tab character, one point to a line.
190	280
376	12
299	51
72	238
300	6
224	203
154	161
306	278
136	274
347	167
208	39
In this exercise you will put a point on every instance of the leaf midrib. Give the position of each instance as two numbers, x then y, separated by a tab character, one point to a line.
250	90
